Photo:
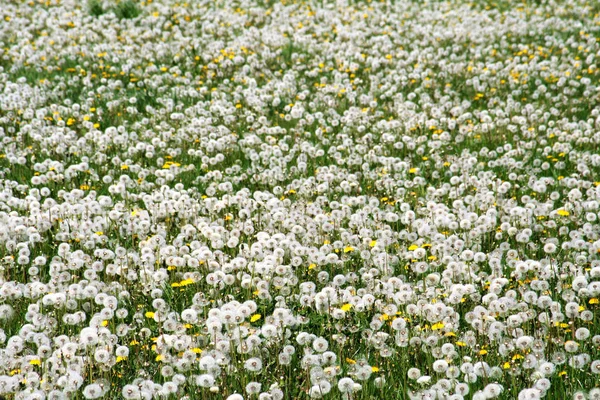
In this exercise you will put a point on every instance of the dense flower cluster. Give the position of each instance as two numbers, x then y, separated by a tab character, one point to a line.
268	200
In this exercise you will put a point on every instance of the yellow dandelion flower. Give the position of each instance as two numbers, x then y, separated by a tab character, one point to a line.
438	326
255	317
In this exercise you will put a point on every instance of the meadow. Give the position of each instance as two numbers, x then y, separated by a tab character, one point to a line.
299	199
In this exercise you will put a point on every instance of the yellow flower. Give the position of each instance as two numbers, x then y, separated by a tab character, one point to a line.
482	352
348	249
437	326
121	358
158	358
384	317
346	307
461	344
255	317
593	301
124	167
99	233
312	266
35	361
413	247
506	365
105	323
563	213
149	314
168	164
350	361
197	350
373	243
374	369
412	171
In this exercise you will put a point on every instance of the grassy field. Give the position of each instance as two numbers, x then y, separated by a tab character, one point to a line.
299	200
